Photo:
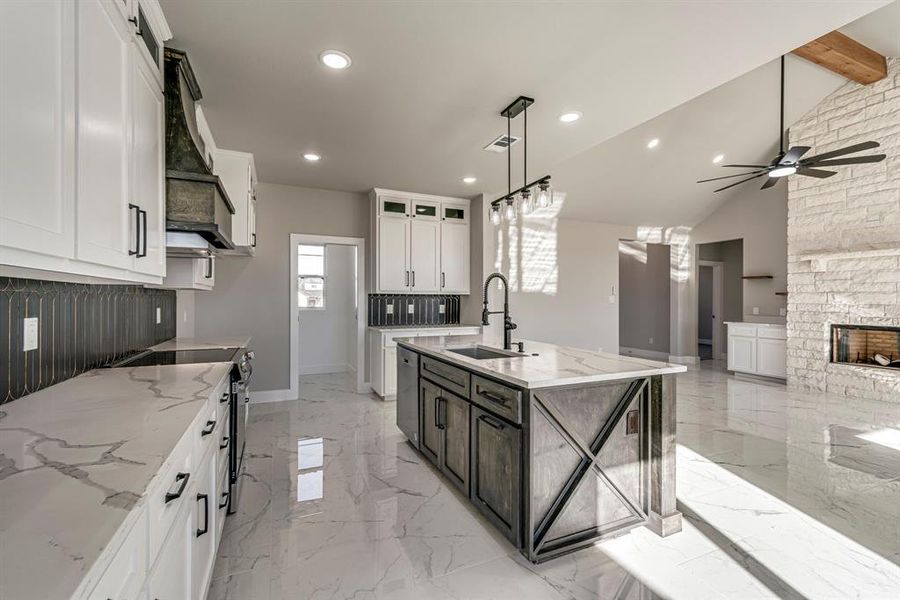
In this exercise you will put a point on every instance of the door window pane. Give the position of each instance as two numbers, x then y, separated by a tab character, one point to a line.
311	276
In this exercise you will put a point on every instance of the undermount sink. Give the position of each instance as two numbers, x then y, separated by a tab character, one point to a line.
482	353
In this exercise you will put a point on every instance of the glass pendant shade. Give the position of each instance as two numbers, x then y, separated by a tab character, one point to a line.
495	215
510	211
527	202
544	198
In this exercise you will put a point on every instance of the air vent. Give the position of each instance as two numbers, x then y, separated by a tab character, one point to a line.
502	143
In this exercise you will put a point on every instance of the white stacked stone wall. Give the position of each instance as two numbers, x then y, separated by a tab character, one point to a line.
856	210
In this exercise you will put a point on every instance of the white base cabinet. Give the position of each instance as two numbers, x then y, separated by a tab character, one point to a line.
757	349
382	350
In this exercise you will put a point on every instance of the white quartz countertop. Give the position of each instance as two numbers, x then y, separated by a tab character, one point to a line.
203	343
553	365
418	327
76	457
782	325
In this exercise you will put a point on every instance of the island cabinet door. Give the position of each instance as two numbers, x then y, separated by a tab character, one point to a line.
454	420
495	481
430	428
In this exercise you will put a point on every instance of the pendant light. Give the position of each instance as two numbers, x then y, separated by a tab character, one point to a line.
530	195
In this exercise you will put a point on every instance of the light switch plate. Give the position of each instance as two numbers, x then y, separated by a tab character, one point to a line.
158	315
410	309
30	337
390	308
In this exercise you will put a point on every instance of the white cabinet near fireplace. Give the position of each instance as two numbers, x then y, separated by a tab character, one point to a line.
757	349
421	243
83	143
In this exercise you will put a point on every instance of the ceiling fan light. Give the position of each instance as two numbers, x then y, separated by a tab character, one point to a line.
782	171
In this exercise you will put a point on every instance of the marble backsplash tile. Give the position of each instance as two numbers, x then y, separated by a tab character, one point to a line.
394	309
80	327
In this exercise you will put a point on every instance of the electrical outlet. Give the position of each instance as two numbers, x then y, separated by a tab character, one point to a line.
782	312
30	331
410	309
442	309
158	315
390	308
651	341
755	310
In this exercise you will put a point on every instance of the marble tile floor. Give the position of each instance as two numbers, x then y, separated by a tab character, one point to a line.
784	494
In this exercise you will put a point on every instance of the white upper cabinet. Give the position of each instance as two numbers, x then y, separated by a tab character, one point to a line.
37	202
237	171
421	243
81	138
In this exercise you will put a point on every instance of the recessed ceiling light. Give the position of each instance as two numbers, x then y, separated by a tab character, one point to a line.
334	59
312	157
469	179
570	117
653	143
718	158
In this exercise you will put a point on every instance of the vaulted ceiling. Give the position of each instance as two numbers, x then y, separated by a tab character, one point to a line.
422	96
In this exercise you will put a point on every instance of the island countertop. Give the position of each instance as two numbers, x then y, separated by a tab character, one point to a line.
76	457
203	343
543	364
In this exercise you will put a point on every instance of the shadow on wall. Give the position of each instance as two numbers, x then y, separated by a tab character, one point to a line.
527	250
644	287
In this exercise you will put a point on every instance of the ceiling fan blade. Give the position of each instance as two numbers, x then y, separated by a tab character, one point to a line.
815	172
728	177
850	160
842	151
749	166
770	182
793	155
739	182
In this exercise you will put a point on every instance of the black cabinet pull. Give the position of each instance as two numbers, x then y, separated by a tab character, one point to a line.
443	279
205	498
224	501
443	412
210	425
437	412
407	279
224	398
137	233
413	278
142	221
224	443
209	267
492	397
254	240
183	478
492	422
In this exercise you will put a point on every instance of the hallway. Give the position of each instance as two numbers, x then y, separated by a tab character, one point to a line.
784	494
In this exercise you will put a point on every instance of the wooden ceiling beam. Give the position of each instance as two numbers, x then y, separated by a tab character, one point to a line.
845	56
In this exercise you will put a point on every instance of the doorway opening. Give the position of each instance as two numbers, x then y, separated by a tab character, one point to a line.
328	308
644	299
720	295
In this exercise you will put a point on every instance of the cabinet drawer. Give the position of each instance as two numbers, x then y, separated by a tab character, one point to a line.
204	430
125	575
221	397
773	333
497	398
169	492
743	330
450	377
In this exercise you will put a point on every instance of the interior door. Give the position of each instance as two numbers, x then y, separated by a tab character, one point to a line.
454	257
424	255
106	226
35	127
454	418
393	254
429	397
147	167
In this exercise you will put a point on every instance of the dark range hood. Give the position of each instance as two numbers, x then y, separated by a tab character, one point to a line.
196	200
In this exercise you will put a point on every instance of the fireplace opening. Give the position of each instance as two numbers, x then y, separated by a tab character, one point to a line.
866	345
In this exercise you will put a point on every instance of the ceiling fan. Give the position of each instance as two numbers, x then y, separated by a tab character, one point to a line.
792	161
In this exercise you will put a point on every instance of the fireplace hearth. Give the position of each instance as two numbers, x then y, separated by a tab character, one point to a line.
865	345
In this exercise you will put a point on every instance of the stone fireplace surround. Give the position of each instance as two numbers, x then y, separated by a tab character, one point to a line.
844	240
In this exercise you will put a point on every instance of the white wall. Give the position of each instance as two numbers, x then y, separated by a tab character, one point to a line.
561	274
328	336
644	307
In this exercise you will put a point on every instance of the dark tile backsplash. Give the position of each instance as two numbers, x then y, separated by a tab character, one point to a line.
80	327
426	309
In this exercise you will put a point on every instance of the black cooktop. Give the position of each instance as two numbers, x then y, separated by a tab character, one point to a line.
178	357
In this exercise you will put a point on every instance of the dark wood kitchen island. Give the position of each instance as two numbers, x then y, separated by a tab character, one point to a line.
557	447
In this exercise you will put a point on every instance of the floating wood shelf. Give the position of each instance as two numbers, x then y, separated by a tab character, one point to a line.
757	277
781	293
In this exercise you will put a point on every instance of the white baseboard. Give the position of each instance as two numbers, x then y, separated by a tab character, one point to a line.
323	369
350	369
703	341
271	396
641	353
684	360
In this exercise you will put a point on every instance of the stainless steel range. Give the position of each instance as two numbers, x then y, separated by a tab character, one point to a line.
239	405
